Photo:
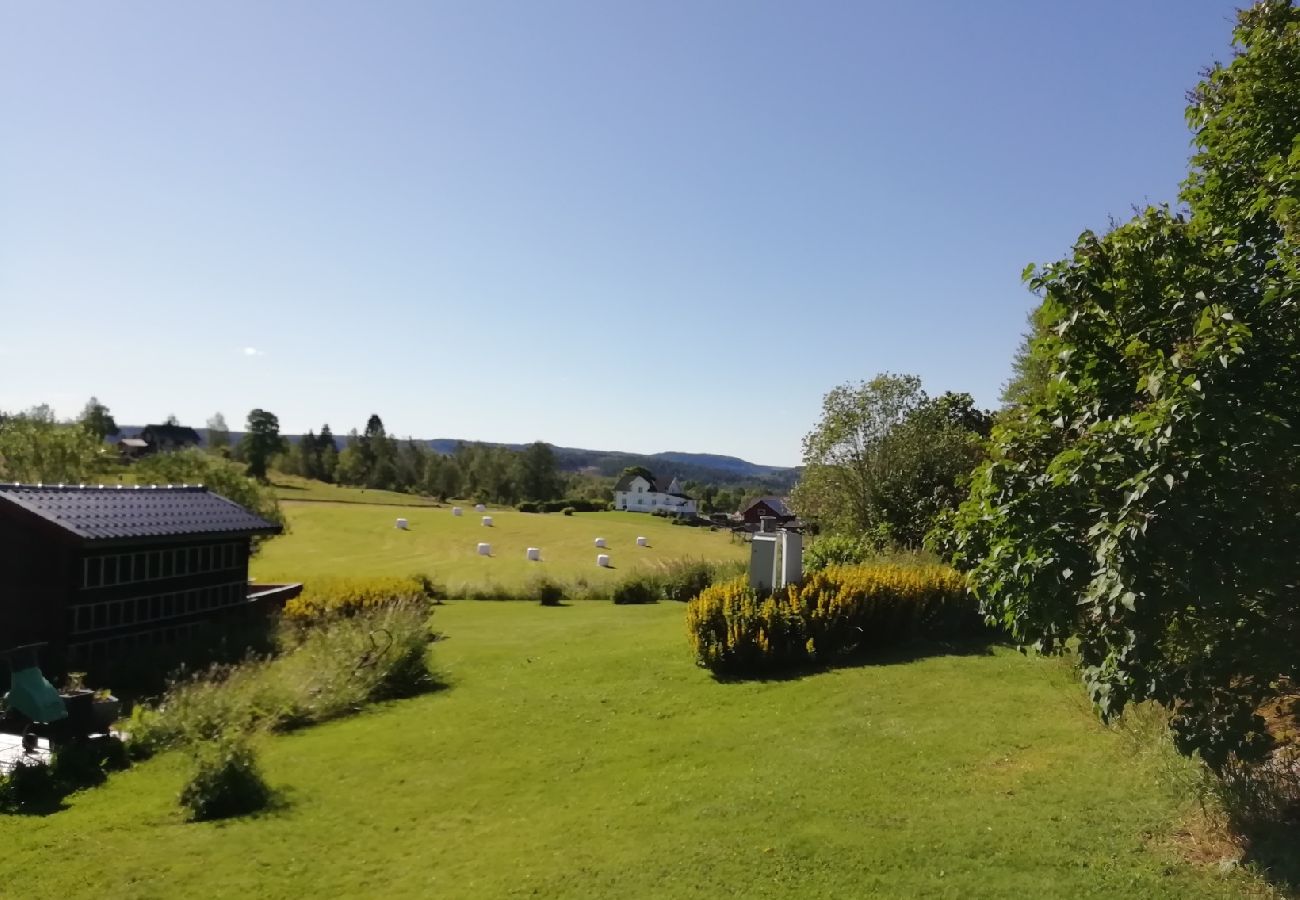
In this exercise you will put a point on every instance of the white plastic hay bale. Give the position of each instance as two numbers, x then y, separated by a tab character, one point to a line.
402	524
479	507
600	542
602	560
642	542
484	549
487	521
456	511
535	554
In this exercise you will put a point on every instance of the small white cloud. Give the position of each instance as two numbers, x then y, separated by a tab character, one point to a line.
253	351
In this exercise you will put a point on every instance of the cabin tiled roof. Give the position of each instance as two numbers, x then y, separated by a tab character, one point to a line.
120	513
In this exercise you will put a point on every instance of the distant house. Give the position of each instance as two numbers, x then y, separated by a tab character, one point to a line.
636	493
165	438
102	573
132	448
767	506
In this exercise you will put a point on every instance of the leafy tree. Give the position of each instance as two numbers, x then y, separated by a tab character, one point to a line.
1031	368
329	454
218	475
218	433
538	475
886	459
1149	505
261	442
171	419
96	419
351	468
35	448
632	471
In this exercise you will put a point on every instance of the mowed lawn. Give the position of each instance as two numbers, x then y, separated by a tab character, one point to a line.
357	539
577	752
292	487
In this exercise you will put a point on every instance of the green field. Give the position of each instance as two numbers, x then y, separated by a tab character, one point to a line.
355	539
577	752
291	487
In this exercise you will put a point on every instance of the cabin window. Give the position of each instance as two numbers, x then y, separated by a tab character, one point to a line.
92	572
155	564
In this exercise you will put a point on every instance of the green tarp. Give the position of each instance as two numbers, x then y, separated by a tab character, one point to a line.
34	697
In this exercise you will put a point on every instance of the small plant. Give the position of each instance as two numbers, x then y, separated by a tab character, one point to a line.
568	511
29	785
549	593
226	781
75	683
528	506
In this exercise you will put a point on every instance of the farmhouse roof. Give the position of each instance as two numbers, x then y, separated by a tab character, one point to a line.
624	482
118	513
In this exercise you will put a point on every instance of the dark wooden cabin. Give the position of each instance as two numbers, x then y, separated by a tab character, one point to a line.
100	572
767	506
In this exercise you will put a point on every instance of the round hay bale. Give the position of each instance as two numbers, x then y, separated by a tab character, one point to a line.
642	542
484	549
534	554
487	521
602	560
600	542
479	507
402	524
456	511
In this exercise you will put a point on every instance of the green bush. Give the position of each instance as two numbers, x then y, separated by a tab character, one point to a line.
683	579
529	506
82	764
28	786
548	592
226	781
575	504
835	550
638	589
568	511
834	614
323	598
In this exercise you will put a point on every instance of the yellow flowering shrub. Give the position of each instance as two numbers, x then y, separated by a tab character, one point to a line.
834	613
328	597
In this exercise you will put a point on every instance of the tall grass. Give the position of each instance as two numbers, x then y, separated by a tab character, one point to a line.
321	672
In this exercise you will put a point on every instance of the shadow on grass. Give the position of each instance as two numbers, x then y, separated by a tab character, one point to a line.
1274	850
280	802
45	806
901	654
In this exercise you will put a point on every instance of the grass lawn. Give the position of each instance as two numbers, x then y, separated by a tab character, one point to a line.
355	539
579	753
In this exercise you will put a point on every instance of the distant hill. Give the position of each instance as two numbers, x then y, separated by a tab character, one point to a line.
708	468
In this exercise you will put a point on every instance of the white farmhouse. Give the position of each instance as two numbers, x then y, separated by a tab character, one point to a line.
636	493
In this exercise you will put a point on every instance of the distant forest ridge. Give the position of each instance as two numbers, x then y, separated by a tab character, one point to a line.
708	468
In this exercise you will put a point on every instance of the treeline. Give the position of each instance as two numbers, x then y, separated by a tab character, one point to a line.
373	458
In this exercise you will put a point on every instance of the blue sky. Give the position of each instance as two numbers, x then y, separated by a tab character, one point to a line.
667	226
